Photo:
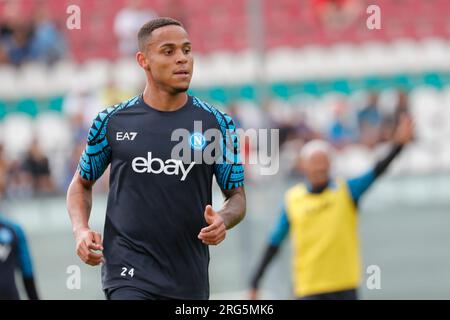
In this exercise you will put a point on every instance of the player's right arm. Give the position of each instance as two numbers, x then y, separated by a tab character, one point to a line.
79	204
276	238
93	162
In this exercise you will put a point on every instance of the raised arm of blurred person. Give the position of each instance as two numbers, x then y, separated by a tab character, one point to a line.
404	133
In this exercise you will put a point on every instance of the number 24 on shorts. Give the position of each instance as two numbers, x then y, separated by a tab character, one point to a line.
125	272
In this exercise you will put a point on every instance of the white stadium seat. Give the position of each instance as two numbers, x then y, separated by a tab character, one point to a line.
17	133
405	57
435	54
9	85
33	80
377	58
128	75
97	72
53	132
61	76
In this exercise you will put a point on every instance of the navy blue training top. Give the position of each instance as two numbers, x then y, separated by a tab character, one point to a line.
156	200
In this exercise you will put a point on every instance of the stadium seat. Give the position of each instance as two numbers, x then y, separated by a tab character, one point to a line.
220	68
343	60
405	57
53	132
314	62
283	64
128	75
32	80
17	133
9	82
246	66
435	54
97	72
61	76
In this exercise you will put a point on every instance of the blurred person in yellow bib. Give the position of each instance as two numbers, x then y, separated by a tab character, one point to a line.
321	217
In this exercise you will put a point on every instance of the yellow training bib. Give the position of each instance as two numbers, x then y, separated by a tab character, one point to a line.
323	229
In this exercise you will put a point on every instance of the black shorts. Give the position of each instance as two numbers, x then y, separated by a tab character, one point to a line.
131	293
350	294
9	292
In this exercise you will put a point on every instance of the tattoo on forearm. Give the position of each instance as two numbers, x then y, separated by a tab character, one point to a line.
233	210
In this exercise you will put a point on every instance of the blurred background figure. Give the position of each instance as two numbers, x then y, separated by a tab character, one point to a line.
25	39
321	216
308	68
336	14
14	255
37	167
48	43
127	23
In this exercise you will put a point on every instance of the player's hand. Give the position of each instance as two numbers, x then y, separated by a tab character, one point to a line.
404	132
87	242
215	232
253	294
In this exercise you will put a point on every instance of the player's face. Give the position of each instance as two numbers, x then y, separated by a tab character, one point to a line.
317	168
170	59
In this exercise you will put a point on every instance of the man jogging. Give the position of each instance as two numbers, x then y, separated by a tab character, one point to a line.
159	221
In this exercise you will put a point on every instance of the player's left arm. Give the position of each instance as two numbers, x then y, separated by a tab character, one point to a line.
25	265
403	135
232	212
229	173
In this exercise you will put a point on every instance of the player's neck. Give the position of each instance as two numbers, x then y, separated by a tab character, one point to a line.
164	101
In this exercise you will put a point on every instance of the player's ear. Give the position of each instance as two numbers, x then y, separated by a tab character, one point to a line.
142	61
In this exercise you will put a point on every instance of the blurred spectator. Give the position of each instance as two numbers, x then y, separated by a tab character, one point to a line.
48	43
36	165
340	134
18	46
369	122
20	183
369	115
127	23
9	16
341	131
336	14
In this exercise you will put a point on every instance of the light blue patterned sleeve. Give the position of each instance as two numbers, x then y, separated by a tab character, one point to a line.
97	154
229	171
228	167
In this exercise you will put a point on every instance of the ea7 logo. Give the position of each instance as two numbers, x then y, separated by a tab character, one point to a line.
120	136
